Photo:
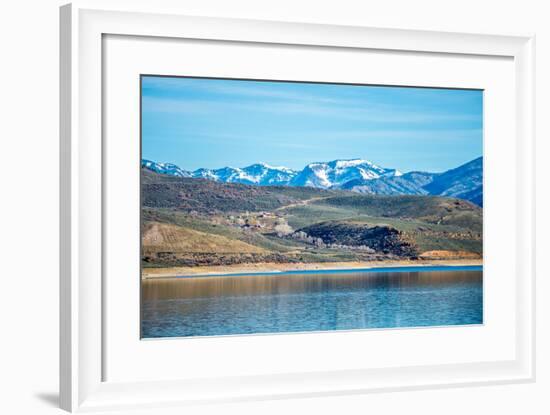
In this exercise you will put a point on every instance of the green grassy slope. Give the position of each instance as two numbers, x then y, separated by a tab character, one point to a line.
207	196
253	216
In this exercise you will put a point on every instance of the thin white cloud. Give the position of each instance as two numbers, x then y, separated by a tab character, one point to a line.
370	114
234	90
361	134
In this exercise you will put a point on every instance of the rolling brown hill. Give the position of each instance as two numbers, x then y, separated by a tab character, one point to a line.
195	222
186	194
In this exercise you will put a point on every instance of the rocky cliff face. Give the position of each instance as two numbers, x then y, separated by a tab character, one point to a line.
380	239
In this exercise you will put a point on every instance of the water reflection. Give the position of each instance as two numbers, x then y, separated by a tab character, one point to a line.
309	302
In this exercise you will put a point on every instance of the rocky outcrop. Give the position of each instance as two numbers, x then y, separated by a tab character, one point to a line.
380	239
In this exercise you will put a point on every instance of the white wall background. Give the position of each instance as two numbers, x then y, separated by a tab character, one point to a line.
29	203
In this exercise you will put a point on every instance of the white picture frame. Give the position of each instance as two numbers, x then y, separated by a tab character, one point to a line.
84	26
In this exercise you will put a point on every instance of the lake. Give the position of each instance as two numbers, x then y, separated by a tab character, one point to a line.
304	301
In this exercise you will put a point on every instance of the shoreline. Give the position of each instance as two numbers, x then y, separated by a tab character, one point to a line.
274	268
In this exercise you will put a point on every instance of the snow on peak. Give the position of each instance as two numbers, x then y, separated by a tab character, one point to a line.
337	172
343	164
165	168
319	174
270	167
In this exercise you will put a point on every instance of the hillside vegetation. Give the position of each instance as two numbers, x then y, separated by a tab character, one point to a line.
207	196
357	175
195	222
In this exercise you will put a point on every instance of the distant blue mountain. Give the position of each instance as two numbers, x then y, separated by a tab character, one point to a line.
357	175
411	183
464	182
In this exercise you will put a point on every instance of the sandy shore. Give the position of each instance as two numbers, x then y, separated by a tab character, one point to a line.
148	273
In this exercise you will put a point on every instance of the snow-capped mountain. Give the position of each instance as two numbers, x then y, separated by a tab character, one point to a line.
230	175
265	175
165	168
357	175
260	174
464	182
324	175
205	174
338	172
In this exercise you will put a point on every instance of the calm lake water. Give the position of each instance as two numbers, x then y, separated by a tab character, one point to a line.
312	301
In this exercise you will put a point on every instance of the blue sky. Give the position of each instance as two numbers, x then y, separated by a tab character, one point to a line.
214	123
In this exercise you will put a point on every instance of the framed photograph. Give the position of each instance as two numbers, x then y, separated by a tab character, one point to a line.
256	209
294	244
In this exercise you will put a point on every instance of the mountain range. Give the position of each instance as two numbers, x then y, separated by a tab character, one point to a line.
356	175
